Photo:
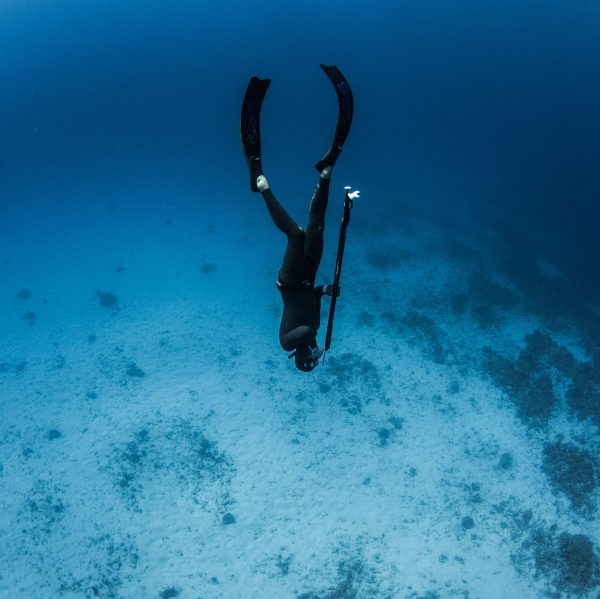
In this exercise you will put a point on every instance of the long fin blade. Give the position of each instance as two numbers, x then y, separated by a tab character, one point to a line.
250	119
250	127
344	118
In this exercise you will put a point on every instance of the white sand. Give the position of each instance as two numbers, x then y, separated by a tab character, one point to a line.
128	502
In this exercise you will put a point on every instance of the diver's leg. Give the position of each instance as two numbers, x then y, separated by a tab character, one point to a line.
318	205
293	259
316	219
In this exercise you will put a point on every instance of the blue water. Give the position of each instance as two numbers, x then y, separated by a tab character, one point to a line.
155	441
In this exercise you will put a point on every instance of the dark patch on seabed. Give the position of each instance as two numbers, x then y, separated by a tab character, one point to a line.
356	377
573	471
528	382
43	511
419	329
161	450
567	563
489	300
353	580
108	562
563	298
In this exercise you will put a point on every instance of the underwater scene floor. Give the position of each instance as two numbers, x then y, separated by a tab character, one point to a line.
155	441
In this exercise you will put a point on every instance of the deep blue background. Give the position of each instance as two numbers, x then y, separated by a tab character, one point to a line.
493	105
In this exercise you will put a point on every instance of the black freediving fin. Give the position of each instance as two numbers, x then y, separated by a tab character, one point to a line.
250	126
344	118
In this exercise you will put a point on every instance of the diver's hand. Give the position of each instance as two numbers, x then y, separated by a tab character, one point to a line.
329	290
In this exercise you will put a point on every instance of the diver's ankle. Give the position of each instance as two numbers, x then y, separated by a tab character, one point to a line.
326	172
261	183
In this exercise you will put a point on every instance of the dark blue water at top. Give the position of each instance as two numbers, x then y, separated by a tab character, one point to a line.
494	102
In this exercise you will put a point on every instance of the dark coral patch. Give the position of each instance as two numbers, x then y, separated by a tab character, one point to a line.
526	380
571	471
426	330
107	299
134	371
29	316
569	561
228	519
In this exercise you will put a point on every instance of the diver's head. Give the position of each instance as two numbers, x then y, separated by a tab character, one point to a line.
307	358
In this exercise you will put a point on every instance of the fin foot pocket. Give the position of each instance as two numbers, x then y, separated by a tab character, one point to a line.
344	118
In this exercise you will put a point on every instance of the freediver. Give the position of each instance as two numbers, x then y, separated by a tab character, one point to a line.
296	281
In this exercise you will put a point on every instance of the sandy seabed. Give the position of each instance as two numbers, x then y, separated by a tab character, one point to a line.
163	446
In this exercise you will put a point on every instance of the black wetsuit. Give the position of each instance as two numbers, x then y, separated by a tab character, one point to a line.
301	300
296	283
